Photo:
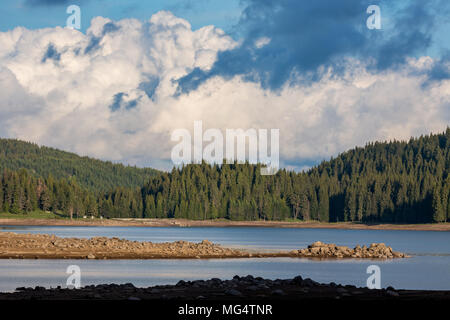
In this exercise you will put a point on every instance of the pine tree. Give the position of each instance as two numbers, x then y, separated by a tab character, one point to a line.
324	205
438	210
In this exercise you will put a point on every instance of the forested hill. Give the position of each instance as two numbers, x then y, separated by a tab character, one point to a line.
382	182
92	174
401	182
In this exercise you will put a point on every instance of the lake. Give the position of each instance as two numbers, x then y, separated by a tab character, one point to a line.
428	268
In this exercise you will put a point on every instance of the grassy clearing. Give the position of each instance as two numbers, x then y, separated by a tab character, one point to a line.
38	214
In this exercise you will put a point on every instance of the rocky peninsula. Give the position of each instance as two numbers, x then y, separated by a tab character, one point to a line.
43	246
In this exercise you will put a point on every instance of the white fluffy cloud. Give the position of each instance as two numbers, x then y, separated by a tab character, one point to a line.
111	94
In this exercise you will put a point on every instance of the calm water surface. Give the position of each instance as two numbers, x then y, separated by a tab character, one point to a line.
429	268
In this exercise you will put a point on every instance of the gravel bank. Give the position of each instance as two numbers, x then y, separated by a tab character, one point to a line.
43	246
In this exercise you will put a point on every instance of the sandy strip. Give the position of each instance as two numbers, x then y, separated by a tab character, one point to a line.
218	223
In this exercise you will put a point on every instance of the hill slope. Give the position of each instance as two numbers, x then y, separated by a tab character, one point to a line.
384	182
93	174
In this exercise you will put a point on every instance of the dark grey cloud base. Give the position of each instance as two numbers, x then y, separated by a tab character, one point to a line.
307	35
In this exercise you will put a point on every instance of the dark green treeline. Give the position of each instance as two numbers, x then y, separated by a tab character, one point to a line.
404	182
21	192
92	174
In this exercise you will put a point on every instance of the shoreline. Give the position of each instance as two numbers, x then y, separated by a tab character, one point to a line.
238	288
116	222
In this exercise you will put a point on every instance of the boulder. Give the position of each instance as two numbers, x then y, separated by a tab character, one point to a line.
233	292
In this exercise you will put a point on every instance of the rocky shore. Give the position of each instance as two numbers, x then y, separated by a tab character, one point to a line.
238	288
43	246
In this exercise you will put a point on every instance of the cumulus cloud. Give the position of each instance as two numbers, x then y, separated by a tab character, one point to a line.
113	93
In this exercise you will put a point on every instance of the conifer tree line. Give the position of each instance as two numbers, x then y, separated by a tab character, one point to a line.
21	192
399	182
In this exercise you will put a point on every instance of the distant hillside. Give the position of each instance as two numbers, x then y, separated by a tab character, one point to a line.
93	174
383	182
397	181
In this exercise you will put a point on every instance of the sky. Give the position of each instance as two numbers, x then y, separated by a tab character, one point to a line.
34	14
138	70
